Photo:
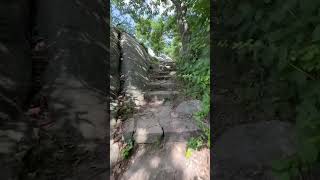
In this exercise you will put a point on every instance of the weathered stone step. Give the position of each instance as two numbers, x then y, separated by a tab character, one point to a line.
160	95
181	136
179	129
142	129
166	67
161	77
161	85
164	72
160	73
167	62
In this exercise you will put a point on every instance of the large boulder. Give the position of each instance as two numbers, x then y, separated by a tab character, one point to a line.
115	51
135	65
76	88
15	84
246	152
114	62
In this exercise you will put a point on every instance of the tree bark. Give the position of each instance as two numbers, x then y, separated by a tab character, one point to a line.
181	10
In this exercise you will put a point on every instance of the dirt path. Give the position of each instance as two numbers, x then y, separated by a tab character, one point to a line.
160	132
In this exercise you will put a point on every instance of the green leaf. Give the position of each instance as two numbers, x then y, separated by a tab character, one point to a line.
267	1
188	153
283	60
308	152
280	165
284	176
316	34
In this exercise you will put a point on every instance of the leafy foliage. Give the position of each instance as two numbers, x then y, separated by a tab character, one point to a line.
283	38
194	143
126	151
194	71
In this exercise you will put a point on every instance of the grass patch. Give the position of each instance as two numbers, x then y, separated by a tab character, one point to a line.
194	143
127	150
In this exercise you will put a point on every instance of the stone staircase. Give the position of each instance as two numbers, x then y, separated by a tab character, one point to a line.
161	132
159	119
162	86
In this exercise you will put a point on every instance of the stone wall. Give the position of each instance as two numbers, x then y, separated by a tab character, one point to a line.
15	83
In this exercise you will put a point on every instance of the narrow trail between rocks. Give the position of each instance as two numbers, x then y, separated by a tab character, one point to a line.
160	132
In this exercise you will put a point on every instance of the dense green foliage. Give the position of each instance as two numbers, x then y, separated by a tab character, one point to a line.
194	143
194	70
283	39
158	25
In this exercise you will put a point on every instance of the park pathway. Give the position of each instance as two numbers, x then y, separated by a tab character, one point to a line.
161	130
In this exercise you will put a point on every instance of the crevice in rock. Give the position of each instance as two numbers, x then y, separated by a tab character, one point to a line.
162	137
120	63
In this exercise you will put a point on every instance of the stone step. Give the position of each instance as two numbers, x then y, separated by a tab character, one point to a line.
181	136
179	129
154	73
161	85
142	129
163	73
168	66
161	77
160	95
159	122
169	62
164	68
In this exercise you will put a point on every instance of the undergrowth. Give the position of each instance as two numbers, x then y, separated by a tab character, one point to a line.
283	39
194	143
195	75
127	150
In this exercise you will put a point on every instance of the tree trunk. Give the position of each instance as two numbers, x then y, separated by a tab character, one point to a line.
181	10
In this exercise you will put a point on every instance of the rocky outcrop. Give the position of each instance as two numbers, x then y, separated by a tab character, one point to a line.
134	67
115	50
15	84
247	151
74	90
75	32
129	66
115	55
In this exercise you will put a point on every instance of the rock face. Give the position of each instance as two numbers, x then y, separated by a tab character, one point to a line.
134	66
114	62
75	78
247	151
115	51
15	82
189	107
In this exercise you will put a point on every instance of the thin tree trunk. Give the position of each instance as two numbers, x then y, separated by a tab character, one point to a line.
181	10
